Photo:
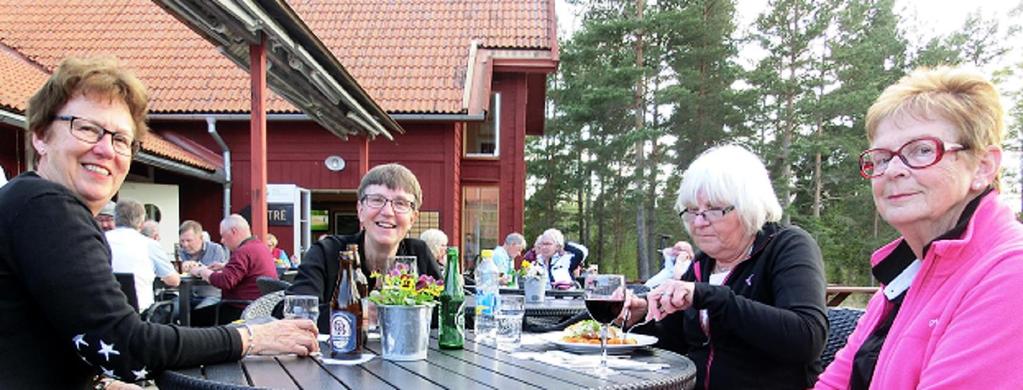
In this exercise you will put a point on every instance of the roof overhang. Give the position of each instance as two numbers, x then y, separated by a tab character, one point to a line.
300	67
179	168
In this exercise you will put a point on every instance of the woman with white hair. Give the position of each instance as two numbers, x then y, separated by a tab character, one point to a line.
750	309
437	242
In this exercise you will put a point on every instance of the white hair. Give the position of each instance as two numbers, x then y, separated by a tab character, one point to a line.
554	235
434	238
237	222
515	238
730	175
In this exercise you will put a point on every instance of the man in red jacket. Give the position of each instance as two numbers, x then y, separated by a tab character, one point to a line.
250	259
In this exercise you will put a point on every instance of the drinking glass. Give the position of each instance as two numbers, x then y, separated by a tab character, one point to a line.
410	261
511	308
605	298
302	307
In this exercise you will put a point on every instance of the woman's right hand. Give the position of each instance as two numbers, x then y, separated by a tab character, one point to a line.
282	337
635	310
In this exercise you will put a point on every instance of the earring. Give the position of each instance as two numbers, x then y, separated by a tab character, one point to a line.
976	185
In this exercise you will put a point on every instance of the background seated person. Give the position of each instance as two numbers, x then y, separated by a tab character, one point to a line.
389	200
437	241
504	256
105	218
136	254
676	261
151	229
193	252
558	260
249	260
280	257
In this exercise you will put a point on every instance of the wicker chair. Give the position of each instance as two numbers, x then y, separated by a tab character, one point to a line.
170	380
841	322
262	307
268	285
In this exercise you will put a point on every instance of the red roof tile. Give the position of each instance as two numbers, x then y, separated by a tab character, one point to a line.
409	55
155	144
19	79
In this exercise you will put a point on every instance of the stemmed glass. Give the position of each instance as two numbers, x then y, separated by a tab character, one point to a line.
605	298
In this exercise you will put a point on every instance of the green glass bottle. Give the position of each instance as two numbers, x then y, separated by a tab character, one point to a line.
452	304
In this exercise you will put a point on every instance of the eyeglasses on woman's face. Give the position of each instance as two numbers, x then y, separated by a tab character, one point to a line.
400	206
919	153
88	131
710	215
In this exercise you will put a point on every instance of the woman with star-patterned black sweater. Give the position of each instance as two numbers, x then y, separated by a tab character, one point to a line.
64	319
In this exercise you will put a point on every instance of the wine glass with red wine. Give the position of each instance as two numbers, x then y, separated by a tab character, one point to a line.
605	298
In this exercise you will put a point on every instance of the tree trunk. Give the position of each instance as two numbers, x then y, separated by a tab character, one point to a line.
642	233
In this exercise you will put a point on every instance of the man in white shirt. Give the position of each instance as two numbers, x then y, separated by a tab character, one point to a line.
137	254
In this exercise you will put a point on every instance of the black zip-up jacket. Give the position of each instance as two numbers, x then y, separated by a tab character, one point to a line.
767	322
317	274
63	317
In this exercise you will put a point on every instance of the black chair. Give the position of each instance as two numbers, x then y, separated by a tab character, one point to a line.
170	380
268	285
841	322
127	282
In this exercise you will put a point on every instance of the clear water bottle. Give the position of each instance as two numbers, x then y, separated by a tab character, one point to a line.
488	296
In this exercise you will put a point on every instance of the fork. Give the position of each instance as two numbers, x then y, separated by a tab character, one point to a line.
625	320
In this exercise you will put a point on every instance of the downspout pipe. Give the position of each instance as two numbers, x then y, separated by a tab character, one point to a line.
211	127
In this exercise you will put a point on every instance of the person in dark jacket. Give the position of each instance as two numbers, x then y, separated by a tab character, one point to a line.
750	309
65	320
389	200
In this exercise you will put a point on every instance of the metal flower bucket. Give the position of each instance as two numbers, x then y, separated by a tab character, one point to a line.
535	290
404	331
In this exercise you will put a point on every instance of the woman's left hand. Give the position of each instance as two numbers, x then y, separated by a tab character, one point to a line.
671	296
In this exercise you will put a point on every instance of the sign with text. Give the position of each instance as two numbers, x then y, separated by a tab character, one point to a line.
280	214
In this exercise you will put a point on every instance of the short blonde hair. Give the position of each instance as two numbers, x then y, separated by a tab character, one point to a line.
963	97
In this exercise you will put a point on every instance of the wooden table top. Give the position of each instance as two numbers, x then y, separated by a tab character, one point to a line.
475	367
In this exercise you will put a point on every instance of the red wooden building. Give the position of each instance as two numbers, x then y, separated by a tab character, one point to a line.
466	80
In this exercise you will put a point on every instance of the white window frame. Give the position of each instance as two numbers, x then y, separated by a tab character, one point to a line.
495	116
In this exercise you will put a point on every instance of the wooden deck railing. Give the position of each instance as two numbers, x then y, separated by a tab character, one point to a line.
837	294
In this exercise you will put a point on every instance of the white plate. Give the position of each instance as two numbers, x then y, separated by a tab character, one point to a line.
642	340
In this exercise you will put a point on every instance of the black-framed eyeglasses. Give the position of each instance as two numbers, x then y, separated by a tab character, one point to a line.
400	206
88	131
710	215
918	153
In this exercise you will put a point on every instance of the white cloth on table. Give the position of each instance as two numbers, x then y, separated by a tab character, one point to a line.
588	361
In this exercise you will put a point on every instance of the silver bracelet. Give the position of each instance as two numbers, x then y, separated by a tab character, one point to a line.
252	340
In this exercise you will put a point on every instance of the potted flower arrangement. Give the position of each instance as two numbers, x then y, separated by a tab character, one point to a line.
404	305
534	281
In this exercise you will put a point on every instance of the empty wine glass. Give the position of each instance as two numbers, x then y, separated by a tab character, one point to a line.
605	298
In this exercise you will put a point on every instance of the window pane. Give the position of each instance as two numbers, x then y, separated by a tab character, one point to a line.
481	139
479	221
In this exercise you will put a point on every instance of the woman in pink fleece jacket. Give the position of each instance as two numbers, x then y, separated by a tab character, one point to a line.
953	283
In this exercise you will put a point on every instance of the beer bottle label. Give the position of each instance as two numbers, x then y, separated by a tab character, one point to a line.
342	332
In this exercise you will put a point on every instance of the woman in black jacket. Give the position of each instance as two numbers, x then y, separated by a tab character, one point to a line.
389	200
750	310
65	319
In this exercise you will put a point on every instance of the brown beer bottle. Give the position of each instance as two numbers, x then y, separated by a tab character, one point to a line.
361	281
346	328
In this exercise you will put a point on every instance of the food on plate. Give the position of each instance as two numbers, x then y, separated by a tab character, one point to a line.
588	332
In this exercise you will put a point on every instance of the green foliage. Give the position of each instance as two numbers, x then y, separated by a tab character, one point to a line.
800	106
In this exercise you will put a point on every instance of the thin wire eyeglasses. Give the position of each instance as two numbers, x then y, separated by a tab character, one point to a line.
918	153
400	206
88	131
710	215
